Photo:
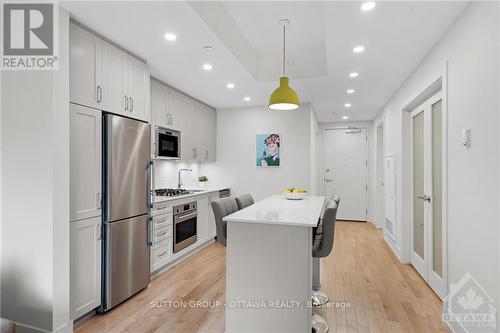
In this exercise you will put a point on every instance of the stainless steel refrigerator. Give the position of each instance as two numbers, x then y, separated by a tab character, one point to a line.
127	195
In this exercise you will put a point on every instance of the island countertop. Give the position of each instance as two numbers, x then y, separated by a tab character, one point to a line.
277	210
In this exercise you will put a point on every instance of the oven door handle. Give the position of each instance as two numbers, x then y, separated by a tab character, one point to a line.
184	217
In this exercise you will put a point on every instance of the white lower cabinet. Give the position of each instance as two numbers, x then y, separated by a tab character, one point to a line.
85	266
202	219
161	254
211	230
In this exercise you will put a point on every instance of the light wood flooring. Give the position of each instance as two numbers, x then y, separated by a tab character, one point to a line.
383	295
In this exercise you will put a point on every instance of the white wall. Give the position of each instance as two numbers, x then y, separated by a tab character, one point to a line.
371	161
470	49
235	165
35	193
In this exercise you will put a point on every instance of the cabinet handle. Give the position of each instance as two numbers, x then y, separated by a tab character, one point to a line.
99	201
161	234
171	119
161	254
206	154
131	104
100	232
194	153
99	94
126	103
162	221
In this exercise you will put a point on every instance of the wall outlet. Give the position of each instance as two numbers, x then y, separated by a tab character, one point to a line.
466	137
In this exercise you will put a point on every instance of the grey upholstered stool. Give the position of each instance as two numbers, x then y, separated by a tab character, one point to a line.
223	207
244	200
322	247
319	297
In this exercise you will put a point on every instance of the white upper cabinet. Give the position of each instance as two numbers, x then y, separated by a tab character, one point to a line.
85	67
104	76
85	162
196	122
174	113
138	89
114	78
158	104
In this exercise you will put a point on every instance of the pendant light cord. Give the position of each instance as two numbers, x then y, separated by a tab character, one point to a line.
284	49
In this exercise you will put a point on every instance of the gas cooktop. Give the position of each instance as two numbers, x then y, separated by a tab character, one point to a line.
171	192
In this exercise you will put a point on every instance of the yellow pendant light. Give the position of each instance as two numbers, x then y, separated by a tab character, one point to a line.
284	97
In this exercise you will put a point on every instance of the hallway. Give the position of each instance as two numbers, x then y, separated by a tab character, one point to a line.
384	295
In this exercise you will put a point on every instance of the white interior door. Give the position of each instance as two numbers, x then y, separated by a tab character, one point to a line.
427	211
345	171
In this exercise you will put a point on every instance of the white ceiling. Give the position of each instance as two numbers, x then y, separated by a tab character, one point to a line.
247	41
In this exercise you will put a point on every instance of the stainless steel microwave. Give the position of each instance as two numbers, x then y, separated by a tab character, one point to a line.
168	143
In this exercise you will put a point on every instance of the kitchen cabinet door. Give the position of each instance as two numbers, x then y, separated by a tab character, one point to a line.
114	79
174	109
188	151
159	104
212	139
85	266
138	89
202	218
84	67
211	230
85	162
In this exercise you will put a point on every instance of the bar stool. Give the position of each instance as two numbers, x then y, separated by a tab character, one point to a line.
244	200
322	247
319	297
223	207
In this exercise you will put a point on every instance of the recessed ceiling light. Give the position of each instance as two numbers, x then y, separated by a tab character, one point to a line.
347	105
170	37
358	49
208	48
353	74
369	5
207	67
345	117
230	85
247	99
350	91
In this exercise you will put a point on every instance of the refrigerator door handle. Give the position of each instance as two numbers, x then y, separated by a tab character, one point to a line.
150	231
151	183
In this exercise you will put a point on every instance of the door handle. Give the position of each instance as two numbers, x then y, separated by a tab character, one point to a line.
100	232
99	94
150	231
425	198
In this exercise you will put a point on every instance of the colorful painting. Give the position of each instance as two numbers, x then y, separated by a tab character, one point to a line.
268	150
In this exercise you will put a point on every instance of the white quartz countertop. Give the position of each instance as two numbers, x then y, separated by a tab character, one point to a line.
197	192
280	211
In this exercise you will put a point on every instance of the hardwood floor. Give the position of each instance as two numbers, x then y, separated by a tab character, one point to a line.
383	295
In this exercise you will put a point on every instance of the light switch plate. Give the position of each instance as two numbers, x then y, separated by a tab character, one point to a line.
466	137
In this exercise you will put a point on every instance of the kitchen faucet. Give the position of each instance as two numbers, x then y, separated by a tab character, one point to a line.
179	183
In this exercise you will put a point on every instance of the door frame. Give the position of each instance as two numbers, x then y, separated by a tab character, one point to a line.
380	177
345	127
437	84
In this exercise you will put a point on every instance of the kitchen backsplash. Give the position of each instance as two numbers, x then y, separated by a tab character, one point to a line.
166	174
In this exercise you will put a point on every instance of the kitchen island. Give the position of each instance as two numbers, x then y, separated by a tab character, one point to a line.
269	265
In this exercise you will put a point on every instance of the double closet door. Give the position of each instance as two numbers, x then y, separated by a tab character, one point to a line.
427	251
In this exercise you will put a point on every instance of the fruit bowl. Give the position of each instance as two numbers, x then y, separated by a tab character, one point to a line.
294	194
